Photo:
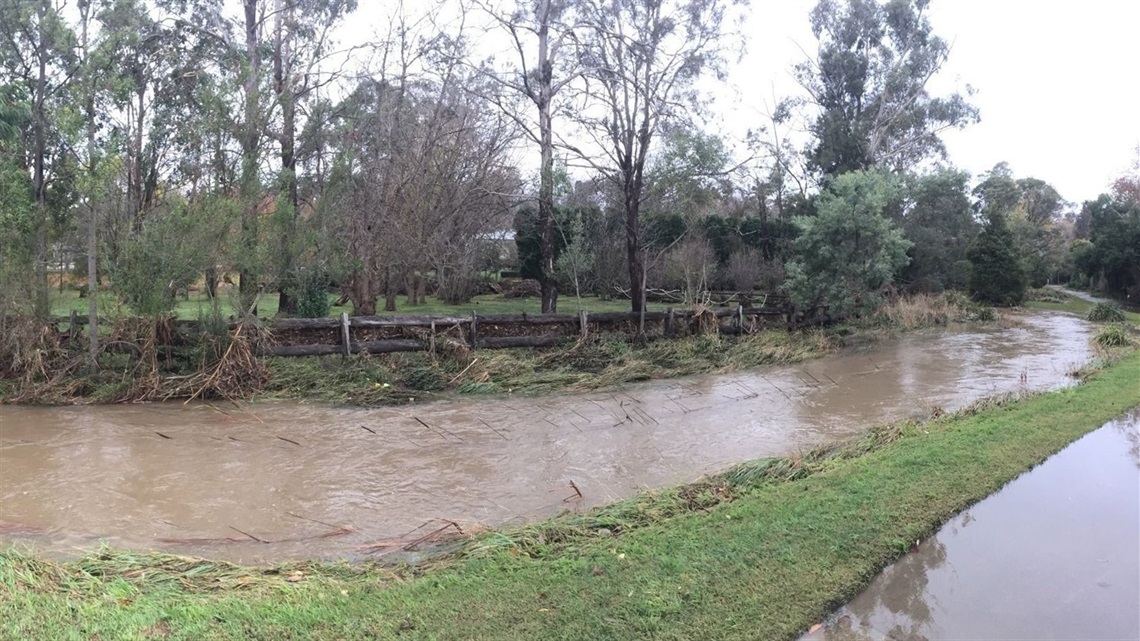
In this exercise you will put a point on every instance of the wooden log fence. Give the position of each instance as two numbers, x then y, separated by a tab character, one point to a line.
346	335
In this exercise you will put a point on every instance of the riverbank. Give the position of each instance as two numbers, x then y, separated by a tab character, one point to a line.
600	361
1060	299
761	551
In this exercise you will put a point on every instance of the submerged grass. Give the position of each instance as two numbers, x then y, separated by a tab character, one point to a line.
601	361
925	310
760	551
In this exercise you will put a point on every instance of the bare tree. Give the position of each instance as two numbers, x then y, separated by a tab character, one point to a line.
548	26
92	162
641	61
425	165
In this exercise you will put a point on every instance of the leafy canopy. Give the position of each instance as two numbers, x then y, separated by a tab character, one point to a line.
849	251
868	81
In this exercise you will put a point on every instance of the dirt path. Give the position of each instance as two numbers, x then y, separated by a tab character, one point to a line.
1085	296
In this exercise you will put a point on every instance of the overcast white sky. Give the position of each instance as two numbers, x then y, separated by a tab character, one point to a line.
1058	83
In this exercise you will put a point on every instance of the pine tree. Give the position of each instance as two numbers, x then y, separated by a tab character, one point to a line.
996	276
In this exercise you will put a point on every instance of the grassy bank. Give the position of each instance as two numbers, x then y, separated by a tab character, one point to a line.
1054	301
760	552
601	361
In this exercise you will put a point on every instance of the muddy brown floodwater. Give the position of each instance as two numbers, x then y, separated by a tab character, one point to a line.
265	482
1053	555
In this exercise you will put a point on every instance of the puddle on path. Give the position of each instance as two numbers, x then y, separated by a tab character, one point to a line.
182	479
1053	555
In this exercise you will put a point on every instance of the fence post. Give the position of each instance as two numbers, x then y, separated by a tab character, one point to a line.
431	343
345	337
669	322
582	320
740	318
474	329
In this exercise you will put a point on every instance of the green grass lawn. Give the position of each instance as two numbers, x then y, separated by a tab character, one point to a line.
199	305
766	564
1074	305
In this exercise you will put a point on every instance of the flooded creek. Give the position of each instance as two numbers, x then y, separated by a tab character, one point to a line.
275	481
1053	555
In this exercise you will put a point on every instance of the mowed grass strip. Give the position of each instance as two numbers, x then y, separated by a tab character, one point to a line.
1074	305
765	565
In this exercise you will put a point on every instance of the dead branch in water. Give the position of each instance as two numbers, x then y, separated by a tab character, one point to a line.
408	546
336	531
577	494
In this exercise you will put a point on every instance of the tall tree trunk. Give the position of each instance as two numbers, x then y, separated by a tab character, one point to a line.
546	180
250	191
635	255
636	258
283	85
41	303
363	292
135	179
391	288
92	211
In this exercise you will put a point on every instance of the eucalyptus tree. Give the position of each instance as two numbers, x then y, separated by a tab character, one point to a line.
543	36
249	136
37	54
89	82
302	41
641	60
17	203
1032	211
868	81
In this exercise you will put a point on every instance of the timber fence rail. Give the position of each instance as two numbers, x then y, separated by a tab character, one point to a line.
409	333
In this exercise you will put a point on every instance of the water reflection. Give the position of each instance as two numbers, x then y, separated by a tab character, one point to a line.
1052	555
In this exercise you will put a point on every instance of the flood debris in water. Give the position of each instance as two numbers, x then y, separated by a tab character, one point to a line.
89	475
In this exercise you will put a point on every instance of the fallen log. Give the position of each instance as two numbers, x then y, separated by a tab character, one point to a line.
369	347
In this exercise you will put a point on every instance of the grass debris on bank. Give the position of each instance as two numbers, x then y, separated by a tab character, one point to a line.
600	361
761	551
218	365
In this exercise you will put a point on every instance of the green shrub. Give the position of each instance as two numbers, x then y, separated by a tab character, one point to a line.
313	296
996	276
1114	335
1106	313
1044	295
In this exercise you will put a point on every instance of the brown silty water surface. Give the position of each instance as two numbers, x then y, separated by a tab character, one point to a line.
268	482
1053	555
